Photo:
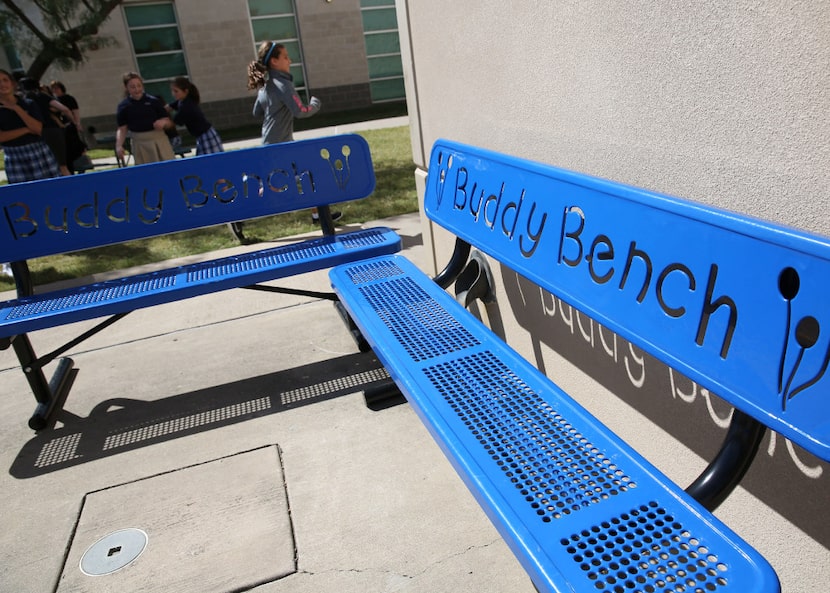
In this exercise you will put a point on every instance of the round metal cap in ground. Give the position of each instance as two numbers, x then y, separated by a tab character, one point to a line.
113	552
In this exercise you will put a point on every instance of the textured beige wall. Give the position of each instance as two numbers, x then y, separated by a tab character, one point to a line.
724	104
219	43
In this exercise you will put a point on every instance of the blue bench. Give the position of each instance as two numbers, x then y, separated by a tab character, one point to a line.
80	212
734	303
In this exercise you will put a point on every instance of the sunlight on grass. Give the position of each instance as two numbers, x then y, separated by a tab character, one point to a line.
394	194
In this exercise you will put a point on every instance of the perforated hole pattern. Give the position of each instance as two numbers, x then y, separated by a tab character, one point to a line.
645	551
421	326
259	260
363	238
195	273
362	273
102	292
555	470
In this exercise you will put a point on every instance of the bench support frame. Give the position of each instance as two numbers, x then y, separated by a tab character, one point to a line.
730	464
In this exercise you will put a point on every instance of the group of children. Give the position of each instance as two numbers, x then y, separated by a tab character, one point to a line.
32	131
30	137
145	117
148	121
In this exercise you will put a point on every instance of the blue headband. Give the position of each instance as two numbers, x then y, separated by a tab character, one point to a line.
270	51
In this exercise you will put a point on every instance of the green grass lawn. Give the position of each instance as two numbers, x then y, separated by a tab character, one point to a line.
394	194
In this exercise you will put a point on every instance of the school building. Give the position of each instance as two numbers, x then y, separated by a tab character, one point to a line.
345	52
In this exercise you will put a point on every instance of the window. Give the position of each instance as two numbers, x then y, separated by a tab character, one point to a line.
157	45
383	50
275	20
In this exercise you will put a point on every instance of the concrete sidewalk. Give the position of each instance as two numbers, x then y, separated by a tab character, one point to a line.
222	444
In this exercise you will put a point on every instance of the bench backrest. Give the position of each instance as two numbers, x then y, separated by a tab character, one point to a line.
82	211
739	305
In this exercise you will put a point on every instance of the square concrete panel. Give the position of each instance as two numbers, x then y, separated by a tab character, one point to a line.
219	526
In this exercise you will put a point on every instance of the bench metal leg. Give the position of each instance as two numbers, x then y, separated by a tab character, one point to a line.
326	221
48	394
59	387
361	342
22	278
383	395
460	255
731	463
475	282
237	229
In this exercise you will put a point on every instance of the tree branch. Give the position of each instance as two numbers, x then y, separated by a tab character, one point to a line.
64	45
21	16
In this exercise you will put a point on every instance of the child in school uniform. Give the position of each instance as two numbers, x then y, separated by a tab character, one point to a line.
189	114
21	124
144	118
27	156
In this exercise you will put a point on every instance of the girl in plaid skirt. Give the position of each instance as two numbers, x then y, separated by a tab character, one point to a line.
189	114
27	156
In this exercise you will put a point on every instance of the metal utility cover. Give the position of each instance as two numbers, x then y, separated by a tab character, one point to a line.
222	526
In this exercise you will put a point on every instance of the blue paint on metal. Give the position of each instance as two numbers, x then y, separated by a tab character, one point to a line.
78	212
737	304
145	290
581	510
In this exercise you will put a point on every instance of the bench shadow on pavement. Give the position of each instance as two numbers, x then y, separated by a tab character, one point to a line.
119	425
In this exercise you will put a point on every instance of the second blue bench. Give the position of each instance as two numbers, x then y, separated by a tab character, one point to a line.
68	214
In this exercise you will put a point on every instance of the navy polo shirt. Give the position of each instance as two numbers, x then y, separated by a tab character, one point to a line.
9	120
139	115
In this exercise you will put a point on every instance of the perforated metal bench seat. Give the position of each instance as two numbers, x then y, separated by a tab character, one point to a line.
145	290
580	508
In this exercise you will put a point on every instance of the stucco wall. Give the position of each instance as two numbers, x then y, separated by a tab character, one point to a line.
219	47
724	104
721	103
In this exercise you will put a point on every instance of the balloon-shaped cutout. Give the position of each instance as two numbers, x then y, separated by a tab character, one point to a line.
807	331
788	283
